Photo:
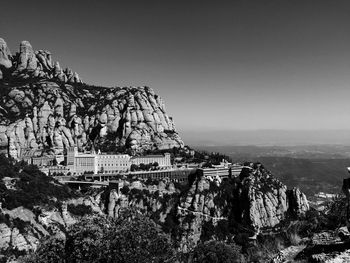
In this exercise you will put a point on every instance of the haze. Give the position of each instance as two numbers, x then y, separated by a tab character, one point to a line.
218	65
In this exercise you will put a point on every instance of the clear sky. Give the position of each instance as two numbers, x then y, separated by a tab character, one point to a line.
217	64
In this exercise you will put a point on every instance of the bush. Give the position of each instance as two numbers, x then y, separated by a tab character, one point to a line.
131	238
125	190
79	210
32	186
217	252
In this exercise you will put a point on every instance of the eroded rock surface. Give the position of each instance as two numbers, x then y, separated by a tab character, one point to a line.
44	106
257	200
23	229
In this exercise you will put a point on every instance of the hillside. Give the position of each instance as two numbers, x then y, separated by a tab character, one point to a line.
35	207
46	109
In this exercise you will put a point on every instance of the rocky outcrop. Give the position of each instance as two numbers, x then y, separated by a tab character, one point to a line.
150	199
327	246
22	229
269	200
5	55
186	214
257	200
298	202
29	64
53	111
26	58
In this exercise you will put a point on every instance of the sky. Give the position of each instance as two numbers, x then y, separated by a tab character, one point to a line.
218	65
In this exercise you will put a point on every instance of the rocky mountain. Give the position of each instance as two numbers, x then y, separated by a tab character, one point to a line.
256	201
46	108
203	210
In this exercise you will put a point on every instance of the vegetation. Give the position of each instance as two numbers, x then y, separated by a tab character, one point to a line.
31	187
217	252
208	159
144	167
131	238
79	210
136	238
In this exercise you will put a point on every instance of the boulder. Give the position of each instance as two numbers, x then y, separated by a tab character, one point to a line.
44	58
5	55
27	59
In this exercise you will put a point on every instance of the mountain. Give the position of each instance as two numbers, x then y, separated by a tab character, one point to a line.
46	108
35	206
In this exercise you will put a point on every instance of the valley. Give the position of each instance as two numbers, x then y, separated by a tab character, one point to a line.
312	168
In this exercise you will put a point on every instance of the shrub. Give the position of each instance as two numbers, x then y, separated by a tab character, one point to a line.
125	190
131	238
217	252
79	210
32	186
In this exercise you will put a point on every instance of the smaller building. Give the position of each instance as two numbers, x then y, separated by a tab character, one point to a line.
58	170
236	170
222	172
223	164
162	160
43	161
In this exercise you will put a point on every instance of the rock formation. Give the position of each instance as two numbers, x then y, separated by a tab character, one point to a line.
59	111
29	64
5	55
23	229
256	200
189	211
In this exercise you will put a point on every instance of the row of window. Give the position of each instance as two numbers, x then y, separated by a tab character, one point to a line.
112	164
113	157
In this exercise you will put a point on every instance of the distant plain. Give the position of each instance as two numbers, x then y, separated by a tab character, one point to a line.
315	161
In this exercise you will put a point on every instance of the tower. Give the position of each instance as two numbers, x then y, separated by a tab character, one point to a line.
167	159
70	157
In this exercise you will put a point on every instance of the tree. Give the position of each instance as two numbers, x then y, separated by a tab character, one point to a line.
51	250
142	166
85	240
130	239
133	167
138	239
217	252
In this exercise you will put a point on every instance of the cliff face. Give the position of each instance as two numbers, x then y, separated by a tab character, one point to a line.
28	64
43	106
255	202
21	228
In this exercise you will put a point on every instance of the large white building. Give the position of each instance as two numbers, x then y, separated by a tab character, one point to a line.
80	163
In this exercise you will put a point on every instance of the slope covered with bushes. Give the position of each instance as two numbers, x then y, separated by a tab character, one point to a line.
25	185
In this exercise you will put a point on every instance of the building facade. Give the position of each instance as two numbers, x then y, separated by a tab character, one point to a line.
162	160
112	163
81	163
223	172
